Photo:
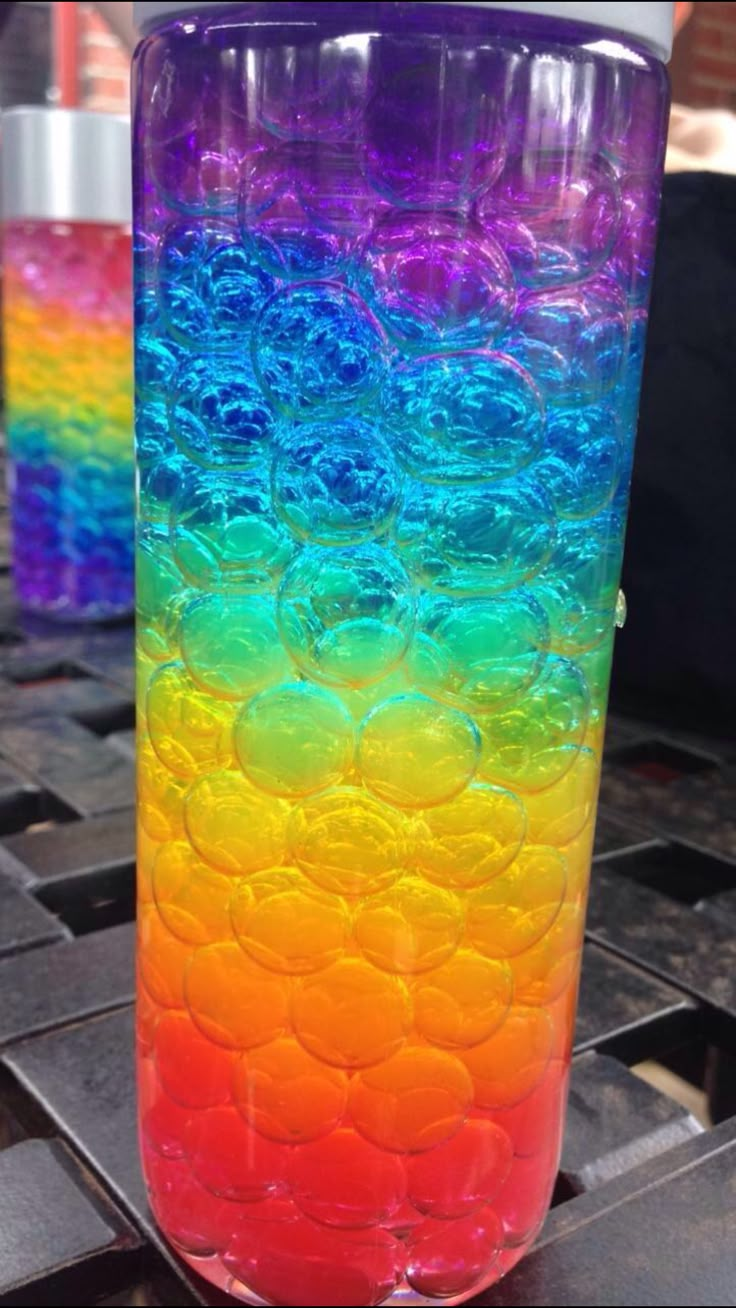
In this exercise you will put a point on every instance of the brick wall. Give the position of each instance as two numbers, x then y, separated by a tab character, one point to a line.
706	77
104	65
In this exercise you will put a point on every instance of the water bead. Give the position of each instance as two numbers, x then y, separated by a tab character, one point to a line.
196	1221
188	730
415	752
161	796
514	910
193	899
344	1181
218	415
351	1015
525	1198
581	461
508	1066
573	340
556	214
346	616
231	1160
311	92
558	815
233	826
415	1100
437	283
490	538
225	536
465	417
162	959
411	928
460	1176
336	483
288	1095
462	1003
193	1072
536	1120
158	585
543	973
318	351
233	288
284	922
532	744
579	588
420	151
454	1258
345	1267
233	1001
230	645
471	839
294	739
480	654
163	1122
348	842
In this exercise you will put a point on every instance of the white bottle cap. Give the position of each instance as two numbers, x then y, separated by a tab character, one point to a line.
649	22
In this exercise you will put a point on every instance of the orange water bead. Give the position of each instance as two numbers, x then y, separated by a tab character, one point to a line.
146	851
193	899
162	959
287	1094
190	731
542	973
464	1173
557	815
507	1067
513	911
413	1101
538	1119
233	826
288	924
192	1071
472	839
463	1002
232	1000
348	842
351	1015
410	928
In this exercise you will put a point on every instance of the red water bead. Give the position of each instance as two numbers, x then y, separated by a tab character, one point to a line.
463	1174
231	1159
193	1072
413	1101
524	1198
342	1180
196	1221
301	1262
162	1121
448	1258
536	1123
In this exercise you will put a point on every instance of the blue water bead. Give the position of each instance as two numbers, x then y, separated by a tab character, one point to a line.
318	351
582	460
218	414
465	417
210	288
437	282
225	536
488	538
573	340
336	483
579	586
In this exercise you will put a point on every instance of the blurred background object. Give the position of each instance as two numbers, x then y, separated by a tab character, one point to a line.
703	72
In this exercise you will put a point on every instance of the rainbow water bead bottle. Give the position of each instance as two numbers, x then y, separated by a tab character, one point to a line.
67	318
392	269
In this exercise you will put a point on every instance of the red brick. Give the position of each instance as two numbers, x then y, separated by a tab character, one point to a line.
723	14
721	70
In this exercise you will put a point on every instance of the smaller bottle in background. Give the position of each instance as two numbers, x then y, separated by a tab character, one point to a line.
67	358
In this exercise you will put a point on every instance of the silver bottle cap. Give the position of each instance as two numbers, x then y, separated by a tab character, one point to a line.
65	165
